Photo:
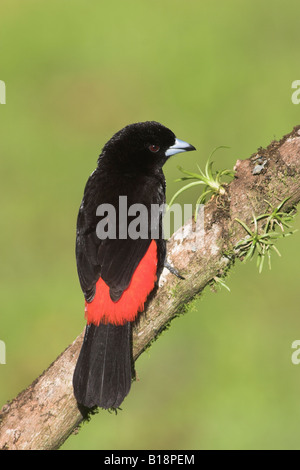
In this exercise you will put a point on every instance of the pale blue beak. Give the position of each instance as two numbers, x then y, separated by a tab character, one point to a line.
178	147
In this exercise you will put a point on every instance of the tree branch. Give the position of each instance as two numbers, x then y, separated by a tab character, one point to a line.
46	413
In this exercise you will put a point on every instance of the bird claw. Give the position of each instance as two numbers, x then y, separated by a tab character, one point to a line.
173	270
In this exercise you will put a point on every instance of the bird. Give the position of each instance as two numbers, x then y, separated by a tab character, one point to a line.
118	272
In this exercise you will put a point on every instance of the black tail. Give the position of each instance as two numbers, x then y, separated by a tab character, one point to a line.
104	369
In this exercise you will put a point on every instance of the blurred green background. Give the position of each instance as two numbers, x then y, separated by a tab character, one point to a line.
216	73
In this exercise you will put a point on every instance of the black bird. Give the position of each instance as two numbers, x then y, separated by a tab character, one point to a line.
117	273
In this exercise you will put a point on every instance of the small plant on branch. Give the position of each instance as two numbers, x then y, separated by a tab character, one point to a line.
263	241
211	180
220	282
278	217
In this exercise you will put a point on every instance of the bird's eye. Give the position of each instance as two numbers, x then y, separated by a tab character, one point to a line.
154	148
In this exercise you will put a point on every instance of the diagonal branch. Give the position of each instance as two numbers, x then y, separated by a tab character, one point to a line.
46	413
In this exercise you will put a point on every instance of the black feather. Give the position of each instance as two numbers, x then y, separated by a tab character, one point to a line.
103	373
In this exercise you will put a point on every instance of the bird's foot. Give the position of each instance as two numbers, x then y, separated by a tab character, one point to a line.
173	270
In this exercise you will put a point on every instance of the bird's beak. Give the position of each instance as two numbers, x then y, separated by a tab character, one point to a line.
178	147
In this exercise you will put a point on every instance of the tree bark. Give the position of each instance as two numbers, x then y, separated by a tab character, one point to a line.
46	413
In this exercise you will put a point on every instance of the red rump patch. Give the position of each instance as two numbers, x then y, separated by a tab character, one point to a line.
103	310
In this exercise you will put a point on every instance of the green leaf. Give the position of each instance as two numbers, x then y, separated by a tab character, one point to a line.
181	190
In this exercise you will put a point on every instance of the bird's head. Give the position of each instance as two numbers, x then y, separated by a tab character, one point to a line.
143	146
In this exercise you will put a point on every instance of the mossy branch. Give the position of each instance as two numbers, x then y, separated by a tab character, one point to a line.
46	413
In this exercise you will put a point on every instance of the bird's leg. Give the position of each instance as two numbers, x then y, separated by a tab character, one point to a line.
173	270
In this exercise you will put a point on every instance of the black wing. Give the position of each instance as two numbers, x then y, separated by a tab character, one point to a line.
115	260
